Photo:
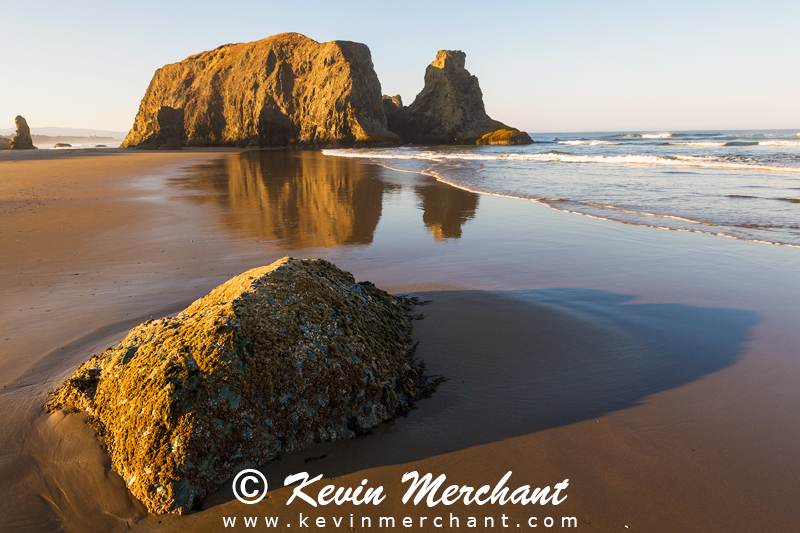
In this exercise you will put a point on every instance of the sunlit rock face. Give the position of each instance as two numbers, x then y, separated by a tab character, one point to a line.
272	360
283	90
449	110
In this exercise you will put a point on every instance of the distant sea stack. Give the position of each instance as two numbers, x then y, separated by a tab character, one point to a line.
22	138
283	90
449	110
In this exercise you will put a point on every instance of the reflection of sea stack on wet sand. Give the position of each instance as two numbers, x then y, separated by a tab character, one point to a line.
302	198
269	362
305	199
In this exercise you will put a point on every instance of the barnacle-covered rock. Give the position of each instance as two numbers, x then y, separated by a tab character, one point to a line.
270	361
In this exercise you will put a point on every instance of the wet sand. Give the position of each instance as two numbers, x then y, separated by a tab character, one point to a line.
655	370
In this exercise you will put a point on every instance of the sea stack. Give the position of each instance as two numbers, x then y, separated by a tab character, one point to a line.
280	91
270	361
450	109
22	138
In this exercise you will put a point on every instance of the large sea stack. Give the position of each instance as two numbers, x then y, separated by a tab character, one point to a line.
449	110
283	90
22	138
274	359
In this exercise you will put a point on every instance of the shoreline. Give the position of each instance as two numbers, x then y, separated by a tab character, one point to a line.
546	202
592	393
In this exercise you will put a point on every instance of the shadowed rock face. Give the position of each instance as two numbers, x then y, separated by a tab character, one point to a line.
22	138
286	89
272	360
449	110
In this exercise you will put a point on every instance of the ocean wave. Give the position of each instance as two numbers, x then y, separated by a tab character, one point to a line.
691	161
589	143
779	143
562	157
720	144
646	135
699	143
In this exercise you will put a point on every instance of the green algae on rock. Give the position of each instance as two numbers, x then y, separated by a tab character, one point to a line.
274	359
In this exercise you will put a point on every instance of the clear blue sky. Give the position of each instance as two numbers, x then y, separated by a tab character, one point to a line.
543	66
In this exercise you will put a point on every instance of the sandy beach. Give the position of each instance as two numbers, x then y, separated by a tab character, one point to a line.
656	370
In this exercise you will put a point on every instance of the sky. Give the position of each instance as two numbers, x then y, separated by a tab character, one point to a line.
543	66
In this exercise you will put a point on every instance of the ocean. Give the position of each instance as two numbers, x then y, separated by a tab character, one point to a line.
738	184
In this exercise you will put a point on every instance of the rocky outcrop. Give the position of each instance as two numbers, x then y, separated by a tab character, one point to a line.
5	143
62	145
272	360
507	136
450	109
283	90
22	138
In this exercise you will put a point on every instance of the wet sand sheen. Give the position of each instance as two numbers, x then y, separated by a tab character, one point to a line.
576	349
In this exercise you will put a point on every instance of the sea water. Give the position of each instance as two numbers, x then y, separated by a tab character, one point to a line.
738	184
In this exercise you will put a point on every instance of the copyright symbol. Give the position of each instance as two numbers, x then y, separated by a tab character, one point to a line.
240	486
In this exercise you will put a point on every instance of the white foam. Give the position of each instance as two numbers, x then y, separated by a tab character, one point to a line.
657	135
588	143
779	143
697	143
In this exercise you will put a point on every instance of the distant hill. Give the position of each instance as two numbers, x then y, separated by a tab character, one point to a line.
69	132
72	139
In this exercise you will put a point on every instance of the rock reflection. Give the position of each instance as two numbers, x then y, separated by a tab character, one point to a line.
305	199
445	209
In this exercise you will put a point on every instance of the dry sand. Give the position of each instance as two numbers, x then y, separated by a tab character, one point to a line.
656	371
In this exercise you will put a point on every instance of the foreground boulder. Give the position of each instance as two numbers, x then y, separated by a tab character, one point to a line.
22	138
286	89
272	360
449	110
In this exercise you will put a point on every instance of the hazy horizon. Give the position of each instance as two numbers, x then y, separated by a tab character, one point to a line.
54	131
578	67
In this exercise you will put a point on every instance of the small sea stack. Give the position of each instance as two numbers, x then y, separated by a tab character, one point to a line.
449	109
22	138
270	361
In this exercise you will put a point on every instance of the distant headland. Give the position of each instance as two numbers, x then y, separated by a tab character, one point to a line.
289	90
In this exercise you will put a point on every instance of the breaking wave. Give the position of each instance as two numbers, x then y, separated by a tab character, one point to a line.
563	157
